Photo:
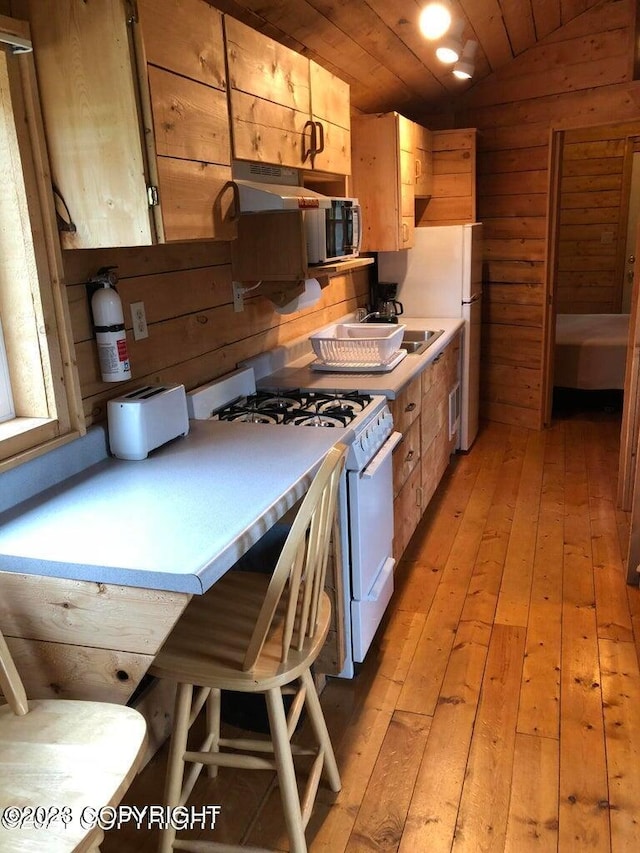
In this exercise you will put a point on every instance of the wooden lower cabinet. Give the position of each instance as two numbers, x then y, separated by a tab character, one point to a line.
421	414
407	512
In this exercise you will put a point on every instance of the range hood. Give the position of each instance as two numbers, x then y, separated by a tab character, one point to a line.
256	197
264	187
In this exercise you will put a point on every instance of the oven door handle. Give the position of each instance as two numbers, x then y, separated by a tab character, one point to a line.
382	455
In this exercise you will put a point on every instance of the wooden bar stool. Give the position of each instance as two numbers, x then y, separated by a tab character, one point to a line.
61	761
257	633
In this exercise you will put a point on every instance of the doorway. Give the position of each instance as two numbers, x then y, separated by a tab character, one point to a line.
591	188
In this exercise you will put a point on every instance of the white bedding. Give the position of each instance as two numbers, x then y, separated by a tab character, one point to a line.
590	351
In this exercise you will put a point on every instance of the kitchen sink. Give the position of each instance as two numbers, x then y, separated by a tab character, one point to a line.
416	341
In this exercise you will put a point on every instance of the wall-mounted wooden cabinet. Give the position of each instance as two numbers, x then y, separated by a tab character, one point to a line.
136	119
391	167
285	108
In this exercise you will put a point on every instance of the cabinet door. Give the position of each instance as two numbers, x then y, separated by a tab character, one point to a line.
88	95
330	110
407	511
184	102
377	181
424	162
270	97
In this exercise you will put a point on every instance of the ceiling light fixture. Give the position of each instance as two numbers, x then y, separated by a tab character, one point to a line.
464	67
434	20
450	48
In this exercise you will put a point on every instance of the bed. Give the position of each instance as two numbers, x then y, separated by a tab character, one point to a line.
590	351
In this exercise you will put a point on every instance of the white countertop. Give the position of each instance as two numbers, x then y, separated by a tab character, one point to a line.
174	521
299	374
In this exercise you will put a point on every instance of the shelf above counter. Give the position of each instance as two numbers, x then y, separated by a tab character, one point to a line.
338	268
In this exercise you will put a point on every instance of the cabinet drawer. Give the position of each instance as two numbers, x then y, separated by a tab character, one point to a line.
406	407
406	456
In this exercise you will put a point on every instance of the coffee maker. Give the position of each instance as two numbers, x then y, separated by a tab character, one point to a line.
386	307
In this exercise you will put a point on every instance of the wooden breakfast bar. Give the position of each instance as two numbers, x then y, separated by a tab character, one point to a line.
95	571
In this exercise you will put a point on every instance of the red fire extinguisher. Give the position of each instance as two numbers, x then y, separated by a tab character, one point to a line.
108	321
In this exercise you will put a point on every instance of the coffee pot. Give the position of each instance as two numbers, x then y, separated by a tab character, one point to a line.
387	306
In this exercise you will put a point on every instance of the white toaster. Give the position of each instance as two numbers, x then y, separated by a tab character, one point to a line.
146	418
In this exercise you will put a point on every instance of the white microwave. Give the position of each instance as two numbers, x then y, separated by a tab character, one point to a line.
334	233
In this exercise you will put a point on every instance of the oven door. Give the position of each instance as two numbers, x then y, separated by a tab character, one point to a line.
371	544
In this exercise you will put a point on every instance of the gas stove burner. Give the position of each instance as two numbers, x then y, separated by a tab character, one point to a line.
300	408
317	419
250	415
275	401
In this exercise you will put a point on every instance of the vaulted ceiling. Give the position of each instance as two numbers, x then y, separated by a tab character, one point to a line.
376	46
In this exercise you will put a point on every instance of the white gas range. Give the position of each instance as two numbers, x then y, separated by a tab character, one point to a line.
365	424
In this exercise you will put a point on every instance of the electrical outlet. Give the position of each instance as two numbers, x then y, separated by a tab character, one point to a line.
238	297
139	320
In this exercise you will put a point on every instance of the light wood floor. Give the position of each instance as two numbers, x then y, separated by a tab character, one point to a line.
499	709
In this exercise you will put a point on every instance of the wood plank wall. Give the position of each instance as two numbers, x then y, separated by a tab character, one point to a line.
577	77
194	333
594	191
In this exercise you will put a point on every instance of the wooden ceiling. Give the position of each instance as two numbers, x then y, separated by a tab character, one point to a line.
376	46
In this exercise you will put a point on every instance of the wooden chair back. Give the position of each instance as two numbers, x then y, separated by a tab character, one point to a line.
300	571
10	682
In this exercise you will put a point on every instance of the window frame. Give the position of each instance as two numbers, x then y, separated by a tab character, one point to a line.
47	397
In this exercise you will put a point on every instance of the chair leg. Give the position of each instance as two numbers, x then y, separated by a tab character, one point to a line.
175	762
320	728
286	771
213	727
96	840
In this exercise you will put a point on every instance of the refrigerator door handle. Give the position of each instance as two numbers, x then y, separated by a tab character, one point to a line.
475	298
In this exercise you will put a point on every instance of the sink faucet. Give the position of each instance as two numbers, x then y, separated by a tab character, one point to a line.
362	316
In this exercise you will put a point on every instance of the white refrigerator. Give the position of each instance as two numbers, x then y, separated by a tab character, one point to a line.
441	276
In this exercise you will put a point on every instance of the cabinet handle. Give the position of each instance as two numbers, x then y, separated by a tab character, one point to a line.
437	358
405	232
410	456
410	407
310	150
418	169
419	496
231	185
319	148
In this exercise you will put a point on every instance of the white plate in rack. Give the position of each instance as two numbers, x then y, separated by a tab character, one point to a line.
360	367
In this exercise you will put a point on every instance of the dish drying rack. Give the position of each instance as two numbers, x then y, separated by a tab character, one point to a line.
358	345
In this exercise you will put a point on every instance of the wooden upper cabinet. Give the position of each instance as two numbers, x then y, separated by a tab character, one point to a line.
136	122
281	103
391	168
383	179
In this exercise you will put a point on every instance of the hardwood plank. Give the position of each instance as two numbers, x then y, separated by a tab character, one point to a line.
515	589
382	813
532	824
484	586
583	817
539	709
422	685
482	817
431	821
621	695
